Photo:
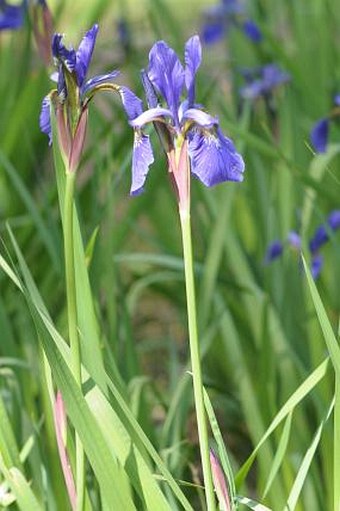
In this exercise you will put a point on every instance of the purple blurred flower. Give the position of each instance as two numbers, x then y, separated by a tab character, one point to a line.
11	16
219	18
182	125
74	92
262	81
334	219
274	251
336	100
316	265
319	135
252	31
320	131
321	235
320	238
294	240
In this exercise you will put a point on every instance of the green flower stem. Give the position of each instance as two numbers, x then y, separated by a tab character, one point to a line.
337	444
195	359
73	322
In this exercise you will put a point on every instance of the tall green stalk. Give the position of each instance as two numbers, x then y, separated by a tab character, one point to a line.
73	322
336	461
195	359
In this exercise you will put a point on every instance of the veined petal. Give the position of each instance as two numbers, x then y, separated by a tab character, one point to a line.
149	116
214	158
193	58
142	158
150	93
84	54
201	118
62	54
166	74
45	117
132	104
90	84
319	135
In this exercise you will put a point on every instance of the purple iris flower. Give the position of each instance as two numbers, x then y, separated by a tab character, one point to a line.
320	131
11	16
274	251
252	31
184	128
322	233
316	265
319	135
220	17
73	93
294	240
262	81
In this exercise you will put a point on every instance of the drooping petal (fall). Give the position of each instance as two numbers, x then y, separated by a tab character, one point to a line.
214	158
150	115
193	58
199	117
167	75
45	117
84	53
142	158
319	135
94	82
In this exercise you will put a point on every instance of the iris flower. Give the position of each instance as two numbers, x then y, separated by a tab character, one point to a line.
320	131
321	236
187	132
262	81
11	16
73	94
275	249
220	17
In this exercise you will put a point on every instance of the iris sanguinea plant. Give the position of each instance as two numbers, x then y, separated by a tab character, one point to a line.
66	109
186	131
194	144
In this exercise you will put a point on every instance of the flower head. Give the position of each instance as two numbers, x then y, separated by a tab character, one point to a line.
261	81
320	131
73	93
11	16
185	129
